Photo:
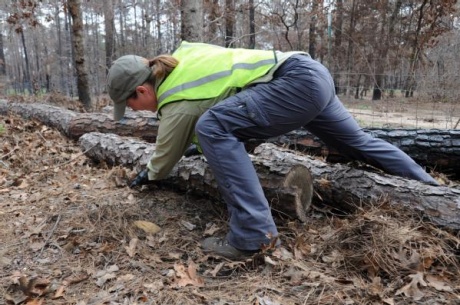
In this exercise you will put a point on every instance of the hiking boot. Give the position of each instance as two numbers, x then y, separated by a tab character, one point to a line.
221	247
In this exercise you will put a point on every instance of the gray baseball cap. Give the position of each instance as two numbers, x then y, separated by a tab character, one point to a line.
125	74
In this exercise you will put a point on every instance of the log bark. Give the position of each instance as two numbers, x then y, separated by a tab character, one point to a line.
338	185
74	125
438	149
288	187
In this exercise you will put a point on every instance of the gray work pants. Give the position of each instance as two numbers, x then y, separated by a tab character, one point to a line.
301	94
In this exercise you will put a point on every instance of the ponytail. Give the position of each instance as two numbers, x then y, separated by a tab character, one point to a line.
162	65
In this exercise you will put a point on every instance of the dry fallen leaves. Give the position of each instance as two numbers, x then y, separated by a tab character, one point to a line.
216	269
185	276
35	302
188	225
131	249
66	283
34	286
376	288
211	228
438	283
147	226
154	286
412	289
105	275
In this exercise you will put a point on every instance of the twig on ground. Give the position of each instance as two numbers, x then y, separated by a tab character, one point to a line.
49	235
75	158
41	136
456	124
10	153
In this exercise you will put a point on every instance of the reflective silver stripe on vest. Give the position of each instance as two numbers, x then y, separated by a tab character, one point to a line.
195	44
215	76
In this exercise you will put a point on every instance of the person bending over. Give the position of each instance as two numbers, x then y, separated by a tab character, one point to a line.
222	97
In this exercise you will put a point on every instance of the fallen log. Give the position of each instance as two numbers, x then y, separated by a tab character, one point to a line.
438	149
434	148
289	188
74	125
338	185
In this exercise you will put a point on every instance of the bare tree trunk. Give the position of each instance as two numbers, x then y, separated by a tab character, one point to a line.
158	27
380	62
37	77
337	51
351	42
3	77
252	25
192	20
17	68
109	32
384	48
135	31
173	31
415	52
148	17
312	31
143	28
60	52
47	72
27	80
71	69
229	22
78	44
2	57
94	62
212	22
122	24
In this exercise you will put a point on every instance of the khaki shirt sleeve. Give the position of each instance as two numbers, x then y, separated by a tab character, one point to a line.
175	133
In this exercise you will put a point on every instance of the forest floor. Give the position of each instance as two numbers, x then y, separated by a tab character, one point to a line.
72	232
404	113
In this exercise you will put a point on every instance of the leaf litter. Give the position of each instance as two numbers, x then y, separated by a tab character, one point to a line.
72	232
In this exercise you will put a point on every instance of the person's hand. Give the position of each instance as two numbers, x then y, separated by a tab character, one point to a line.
141	179
192	150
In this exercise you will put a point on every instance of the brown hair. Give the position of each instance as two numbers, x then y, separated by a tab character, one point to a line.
162	65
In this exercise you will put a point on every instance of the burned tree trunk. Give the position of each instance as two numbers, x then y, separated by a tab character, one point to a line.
288	187
337	185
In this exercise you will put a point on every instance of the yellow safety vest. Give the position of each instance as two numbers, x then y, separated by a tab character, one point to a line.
206	71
